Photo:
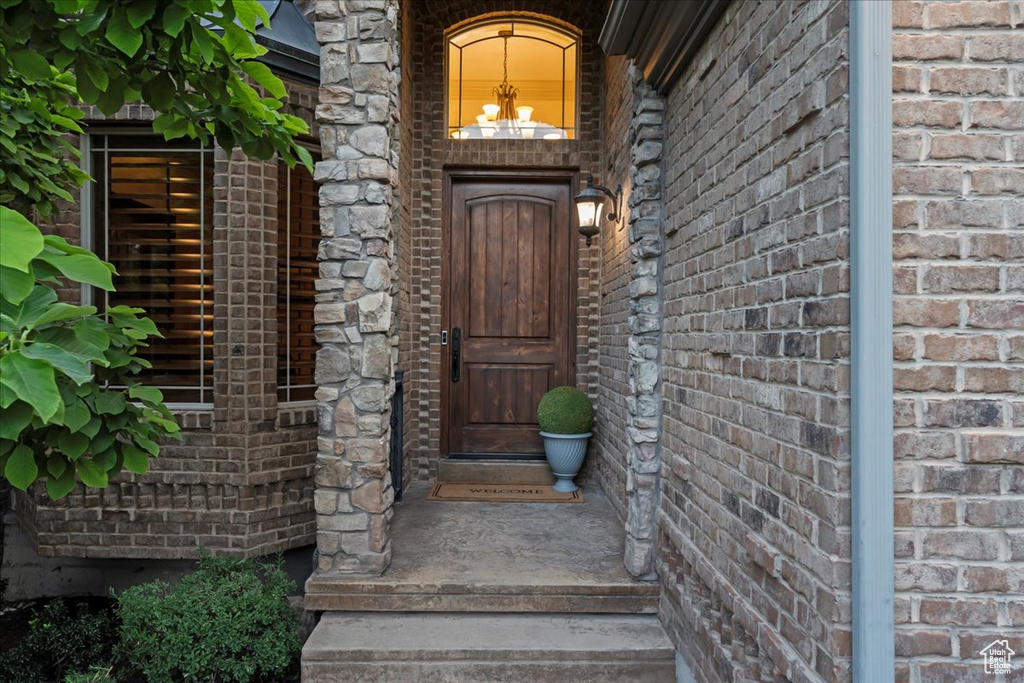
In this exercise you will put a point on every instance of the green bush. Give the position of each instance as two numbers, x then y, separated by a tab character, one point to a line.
97	674
228	621
59	643
565	410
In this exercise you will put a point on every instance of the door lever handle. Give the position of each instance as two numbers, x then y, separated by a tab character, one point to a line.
456	353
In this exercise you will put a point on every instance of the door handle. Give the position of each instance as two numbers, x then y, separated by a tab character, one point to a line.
456	352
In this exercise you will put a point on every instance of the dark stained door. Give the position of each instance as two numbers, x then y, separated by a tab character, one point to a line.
508	294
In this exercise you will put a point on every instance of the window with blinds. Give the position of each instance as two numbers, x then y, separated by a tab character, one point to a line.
298	237
153	220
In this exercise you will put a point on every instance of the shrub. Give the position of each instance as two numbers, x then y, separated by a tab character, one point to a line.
59	643
228	621
97	674
565	410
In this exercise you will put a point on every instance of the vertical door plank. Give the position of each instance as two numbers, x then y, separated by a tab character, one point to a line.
477	324
492	282
524	301
509	268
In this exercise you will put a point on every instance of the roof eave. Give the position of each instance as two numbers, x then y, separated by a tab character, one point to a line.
660	37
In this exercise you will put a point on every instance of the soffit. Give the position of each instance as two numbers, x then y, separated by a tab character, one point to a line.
660	37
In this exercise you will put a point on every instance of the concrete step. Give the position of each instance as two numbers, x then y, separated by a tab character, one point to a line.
495	471
577	594
487	648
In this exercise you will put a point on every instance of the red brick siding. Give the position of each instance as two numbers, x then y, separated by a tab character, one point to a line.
958	147
241	481
753	546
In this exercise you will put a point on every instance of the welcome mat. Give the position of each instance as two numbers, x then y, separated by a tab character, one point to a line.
502	493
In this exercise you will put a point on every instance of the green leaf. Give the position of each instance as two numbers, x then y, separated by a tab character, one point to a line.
20	241
15	285
141	11
15	418
7	396
58	487
107	459
110	403
87	269
74	367
135	461
122	36
111	100
262	74
96	73
92	474
32	307
159	92
72	444
203	43
92	427
247	14
147	394
33	382
21	468
147	444
240	43
90	22
30	64
76	415
63	311
174	19
56	465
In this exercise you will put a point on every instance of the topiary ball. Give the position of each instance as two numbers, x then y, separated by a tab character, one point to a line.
565	410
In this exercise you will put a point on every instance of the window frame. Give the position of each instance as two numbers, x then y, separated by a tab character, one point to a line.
513	18
316	150
88	227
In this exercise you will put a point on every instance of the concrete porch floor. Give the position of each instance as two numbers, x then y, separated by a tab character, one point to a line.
509	557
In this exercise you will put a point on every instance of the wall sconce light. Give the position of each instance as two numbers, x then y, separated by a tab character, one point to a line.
590	205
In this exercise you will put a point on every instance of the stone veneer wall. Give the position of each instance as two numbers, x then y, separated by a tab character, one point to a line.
356	325
629	389
241	482
753	548
433	150
959	334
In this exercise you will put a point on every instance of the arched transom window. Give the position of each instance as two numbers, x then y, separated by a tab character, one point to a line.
512	78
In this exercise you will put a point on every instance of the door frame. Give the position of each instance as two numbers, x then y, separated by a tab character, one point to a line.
571	176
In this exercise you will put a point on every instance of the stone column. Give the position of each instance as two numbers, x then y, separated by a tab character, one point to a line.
647	244
358	117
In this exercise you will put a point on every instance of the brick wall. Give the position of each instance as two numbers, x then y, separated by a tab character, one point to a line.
612	380
753	546
241	481
433	150
958	214
407	328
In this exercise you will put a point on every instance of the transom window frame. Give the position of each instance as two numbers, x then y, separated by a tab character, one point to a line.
88	227
513	18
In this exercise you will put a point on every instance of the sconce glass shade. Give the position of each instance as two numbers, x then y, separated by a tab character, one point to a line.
590	210
590	207
491	111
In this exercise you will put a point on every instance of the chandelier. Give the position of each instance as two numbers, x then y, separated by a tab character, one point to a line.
505	120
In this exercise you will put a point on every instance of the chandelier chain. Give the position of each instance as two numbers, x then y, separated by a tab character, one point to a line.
505	65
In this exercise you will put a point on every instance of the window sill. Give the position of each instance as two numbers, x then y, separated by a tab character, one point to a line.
296	414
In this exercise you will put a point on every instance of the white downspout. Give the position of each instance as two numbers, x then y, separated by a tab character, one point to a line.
874	657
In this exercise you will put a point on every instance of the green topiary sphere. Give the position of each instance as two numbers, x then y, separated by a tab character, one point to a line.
565	410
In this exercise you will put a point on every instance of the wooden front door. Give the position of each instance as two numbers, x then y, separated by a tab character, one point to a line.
508	307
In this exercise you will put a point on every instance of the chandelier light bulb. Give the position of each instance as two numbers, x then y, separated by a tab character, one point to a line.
491	111
524	113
